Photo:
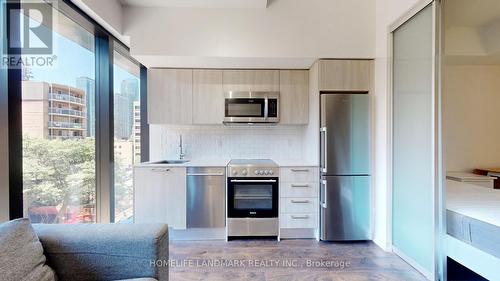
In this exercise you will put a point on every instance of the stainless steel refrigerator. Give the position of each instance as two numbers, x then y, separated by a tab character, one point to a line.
345	167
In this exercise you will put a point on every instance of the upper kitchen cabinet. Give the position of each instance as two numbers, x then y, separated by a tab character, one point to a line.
208	97
251	80
170	96
294	97
345	75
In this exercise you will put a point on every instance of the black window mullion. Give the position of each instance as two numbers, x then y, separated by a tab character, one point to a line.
4	129
104	130
144	115
15	128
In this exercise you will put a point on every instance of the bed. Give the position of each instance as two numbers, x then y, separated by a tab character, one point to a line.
473	227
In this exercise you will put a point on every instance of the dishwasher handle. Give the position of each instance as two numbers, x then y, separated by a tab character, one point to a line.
206	174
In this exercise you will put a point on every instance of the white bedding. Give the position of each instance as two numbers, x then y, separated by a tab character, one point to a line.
476	202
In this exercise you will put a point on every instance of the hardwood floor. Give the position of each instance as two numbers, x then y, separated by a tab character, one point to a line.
288	260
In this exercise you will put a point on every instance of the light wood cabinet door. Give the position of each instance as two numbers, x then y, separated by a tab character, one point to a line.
251	80
160	196
208	97
294	97
170	96
345	75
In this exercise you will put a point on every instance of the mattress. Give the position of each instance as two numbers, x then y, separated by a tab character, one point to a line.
473	216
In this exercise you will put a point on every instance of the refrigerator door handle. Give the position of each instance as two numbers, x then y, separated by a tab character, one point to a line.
325	154
324	204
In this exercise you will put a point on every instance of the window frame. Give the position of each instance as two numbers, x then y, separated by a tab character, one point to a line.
104	47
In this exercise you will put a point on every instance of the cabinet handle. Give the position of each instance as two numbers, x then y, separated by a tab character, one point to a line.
300	217
300	201
160	170
300	170
299	185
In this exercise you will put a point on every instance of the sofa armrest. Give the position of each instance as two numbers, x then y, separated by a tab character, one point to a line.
105	251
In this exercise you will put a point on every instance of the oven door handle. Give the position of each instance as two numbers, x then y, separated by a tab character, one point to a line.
253	180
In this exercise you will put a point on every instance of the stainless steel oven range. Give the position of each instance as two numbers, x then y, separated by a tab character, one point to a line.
252	198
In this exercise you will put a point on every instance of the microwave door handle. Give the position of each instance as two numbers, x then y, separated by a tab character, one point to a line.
266	108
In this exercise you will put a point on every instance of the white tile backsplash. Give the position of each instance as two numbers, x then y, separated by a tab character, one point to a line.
280	143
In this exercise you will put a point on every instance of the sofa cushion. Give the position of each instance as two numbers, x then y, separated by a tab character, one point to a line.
84	252
21	253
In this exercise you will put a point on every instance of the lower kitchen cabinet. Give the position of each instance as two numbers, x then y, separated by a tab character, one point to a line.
160	196
299	206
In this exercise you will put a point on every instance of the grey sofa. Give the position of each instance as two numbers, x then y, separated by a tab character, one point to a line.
106	251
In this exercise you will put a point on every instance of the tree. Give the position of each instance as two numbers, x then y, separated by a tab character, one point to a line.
59	173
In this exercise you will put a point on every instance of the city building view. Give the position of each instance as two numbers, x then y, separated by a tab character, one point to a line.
64	116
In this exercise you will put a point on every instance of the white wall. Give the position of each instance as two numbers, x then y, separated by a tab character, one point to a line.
291	29
387	11
279	143
471	98
108	13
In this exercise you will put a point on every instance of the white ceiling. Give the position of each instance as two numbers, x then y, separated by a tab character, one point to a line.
471	13
232	4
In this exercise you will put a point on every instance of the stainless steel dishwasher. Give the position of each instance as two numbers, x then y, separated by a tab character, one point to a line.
206	197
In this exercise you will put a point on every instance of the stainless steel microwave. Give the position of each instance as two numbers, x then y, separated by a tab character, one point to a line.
251	107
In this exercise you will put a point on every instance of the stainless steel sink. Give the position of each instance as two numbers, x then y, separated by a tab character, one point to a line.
170	162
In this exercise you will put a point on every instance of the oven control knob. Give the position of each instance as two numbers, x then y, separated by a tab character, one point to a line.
256	172
266	172
235	172
261	172
244	172
271	172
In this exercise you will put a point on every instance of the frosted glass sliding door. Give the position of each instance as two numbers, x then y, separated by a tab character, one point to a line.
414	140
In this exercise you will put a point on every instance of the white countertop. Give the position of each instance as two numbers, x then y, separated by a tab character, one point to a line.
474	201
222	163
191	163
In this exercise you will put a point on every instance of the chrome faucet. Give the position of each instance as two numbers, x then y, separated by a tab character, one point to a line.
181	152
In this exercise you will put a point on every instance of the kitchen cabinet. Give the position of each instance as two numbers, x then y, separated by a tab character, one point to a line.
160	196
251	80
170	96
345	75
208	97
299	196
294	97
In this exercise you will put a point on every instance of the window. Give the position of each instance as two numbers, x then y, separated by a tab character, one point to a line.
58	124
60	166
127	124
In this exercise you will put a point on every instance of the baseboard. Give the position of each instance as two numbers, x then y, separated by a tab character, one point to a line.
427	274
197	234
297	233
383	245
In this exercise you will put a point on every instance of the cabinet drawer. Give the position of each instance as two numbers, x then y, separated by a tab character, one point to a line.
304	220
306	189
298	205
299	174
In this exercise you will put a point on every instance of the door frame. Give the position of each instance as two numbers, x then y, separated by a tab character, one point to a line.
438	175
